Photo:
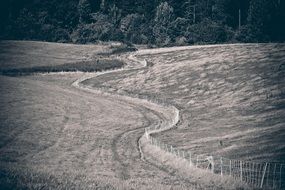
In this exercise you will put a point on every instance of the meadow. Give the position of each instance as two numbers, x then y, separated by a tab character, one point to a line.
231	97
56	135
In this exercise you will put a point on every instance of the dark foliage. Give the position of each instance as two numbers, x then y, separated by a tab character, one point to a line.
157	22
85	66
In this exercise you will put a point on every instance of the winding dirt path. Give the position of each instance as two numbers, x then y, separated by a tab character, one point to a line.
126	146
79	137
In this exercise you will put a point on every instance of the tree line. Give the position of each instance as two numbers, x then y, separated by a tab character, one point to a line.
156	22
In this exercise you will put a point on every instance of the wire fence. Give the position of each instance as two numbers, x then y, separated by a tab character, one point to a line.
261	175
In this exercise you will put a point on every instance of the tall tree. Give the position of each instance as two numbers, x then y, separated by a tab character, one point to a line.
162	21
115	14
261	15
84	10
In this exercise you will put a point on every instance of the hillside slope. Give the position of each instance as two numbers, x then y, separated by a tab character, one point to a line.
231	97
56	136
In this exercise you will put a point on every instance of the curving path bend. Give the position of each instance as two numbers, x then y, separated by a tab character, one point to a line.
62	137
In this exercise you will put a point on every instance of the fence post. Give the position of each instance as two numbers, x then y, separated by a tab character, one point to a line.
274	173
197	161
221	166
241	170
281	176
259	174
183	154
263	175
255	176
250	172
268	170
230	167
190	159
245	172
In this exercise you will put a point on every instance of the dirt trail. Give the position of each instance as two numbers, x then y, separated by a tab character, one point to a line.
125	146
77	138
70	135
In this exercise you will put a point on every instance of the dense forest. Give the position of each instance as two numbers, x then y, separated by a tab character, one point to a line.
156	22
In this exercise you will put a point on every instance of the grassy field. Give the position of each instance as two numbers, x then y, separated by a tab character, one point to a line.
231	97
56	136
38	57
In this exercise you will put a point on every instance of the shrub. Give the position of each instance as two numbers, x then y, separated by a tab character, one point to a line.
180	41
209	32
84	66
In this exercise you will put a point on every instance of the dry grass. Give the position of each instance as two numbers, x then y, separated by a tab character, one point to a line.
200	179
54	136
231	97
36	54
42	57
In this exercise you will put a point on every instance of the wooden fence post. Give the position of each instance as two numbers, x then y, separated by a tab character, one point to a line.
250	173
221	166
190	159
280	176
241	170
268	170
263	175
197	161
274	173
230	167
259	174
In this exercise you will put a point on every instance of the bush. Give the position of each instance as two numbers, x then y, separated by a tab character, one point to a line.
84	66
132	27
209	31
101	29
90	33
180	41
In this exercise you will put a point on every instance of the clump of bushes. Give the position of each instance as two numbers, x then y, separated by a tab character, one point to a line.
84	66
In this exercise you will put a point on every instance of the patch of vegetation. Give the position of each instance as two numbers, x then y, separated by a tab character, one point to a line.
25	178
123	49
84	66
118	49
160	23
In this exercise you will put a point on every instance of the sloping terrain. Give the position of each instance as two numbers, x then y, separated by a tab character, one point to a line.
56	136
59	136
35	54
231	97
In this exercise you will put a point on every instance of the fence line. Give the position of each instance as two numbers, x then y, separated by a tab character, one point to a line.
262	175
